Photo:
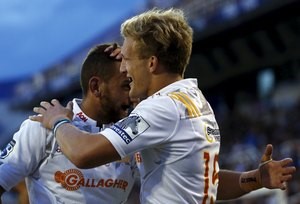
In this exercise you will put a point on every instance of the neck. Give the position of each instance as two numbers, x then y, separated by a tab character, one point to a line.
162	80
88	108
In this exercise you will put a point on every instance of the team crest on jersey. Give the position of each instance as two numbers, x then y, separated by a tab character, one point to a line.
131	127
8	149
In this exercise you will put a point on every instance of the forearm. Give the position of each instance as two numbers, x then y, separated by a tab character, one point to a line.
229	187
85	150
235	184
22	192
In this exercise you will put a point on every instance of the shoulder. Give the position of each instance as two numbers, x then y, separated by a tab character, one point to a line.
31	131
157	104
157	111
33	126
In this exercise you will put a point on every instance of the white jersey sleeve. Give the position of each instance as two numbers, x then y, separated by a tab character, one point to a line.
145	125
23	154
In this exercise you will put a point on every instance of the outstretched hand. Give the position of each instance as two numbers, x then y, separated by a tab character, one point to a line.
275	174
49	113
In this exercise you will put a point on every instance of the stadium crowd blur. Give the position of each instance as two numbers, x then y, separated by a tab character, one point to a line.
254	107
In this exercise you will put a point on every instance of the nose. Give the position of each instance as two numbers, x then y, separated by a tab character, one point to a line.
123	67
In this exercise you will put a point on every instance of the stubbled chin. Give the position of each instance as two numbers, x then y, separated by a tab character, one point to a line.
132	93
124	113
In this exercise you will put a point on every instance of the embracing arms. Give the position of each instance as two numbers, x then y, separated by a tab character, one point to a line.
87	150
84	149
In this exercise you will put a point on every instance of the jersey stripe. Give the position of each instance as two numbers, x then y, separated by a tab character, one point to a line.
192	110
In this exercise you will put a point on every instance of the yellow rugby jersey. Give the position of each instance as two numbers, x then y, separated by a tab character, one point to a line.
178	138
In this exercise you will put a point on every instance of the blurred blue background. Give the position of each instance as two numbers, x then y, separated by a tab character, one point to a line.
37	34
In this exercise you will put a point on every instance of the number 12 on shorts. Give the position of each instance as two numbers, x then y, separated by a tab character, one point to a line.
210	175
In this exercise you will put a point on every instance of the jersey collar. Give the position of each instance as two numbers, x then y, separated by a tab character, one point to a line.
78	113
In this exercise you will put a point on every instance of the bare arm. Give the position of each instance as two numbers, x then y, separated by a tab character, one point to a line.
85	150
22	193
270	174
229	187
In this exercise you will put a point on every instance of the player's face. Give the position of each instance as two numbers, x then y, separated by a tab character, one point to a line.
115	100
136	69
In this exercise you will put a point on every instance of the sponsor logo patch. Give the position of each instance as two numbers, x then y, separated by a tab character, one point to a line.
212	134
82	116
8	149
73	179
131	127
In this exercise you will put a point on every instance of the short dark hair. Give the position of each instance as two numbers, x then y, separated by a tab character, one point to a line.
97	63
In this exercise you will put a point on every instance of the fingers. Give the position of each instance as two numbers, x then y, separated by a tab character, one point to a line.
117	54
267	154
115	51
111	48
70	105
38	118
45	104
282	186
283	166
289	170
283	173
286	178
39	110
55	102
286	161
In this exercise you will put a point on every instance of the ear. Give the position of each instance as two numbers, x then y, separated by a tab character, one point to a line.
153	64
95	86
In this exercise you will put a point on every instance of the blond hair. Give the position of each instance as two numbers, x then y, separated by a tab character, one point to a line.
163	33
